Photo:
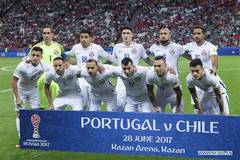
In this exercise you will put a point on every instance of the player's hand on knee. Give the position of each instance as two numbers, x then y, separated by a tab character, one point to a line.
200	111
223	113
51	107
178	110
19	102
155	109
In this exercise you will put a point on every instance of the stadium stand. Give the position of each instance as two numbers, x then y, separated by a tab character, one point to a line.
21	21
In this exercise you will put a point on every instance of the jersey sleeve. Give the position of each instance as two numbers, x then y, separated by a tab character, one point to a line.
189	81
114	53
149	77
151	49
71	52
214	82
213	50
106	55
142	52
49	77
17	72
181	49
174	81
76	69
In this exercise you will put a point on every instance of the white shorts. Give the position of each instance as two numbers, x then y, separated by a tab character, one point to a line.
32	98
75	101
110	101
121	94
85	91
209	103
163	98
133	106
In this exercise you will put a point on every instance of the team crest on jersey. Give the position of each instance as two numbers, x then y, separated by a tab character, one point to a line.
204	53
134	50
138	79
91	54
55	52
171	51
69	77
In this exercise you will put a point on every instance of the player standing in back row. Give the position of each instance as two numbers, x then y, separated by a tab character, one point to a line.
134	51
51	50
169	50
203	50
84	51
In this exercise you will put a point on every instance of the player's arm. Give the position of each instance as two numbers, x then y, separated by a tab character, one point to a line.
195	99
187	56
178	92
49	95
110	58
214	60
15	91
47	90
70	57
184	52
148	61
219	99
152	97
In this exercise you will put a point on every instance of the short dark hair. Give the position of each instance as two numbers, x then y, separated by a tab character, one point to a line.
126	61
196	62
157	58
48	26
86	31
126	27
37	49
164	27
199	27
58	58
92	60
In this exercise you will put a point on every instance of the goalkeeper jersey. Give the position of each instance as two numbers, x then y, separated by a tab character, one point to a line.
50	51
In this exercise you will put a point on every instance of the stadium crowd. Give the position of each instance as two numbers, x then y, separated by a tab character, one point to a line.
20	21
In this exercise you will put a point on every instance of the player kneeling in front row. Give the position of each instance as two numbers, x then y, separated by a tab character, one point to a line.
101	89
134	79
168	87
214	98
69	89
24	83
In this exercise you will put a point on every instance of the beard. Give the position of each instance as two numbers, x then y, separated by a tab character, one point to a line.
164	42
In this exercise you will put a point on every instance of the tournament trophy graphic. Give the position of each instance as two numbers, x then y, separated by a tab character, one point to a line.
35	119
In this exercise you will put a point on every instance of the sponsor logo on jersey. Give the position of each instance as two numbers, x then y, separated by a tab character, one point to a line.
69	77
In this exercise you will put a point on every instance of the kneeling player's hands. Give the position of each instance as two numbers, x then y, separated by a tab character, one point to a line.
178	110
19	102
50	107
155	109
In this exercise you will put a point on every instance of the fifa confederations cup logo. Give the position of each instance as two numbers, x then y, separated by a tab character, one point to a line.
35	119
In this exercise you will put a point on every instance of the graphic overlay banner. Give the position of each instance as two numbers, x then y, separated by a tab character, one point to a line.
155	134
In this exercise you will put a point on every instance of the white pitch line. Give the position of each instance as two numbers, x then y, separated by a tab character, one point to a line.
6	90
5	68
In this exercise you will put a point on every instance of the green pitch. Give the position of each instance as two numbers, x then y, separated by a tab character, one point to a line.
229	71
